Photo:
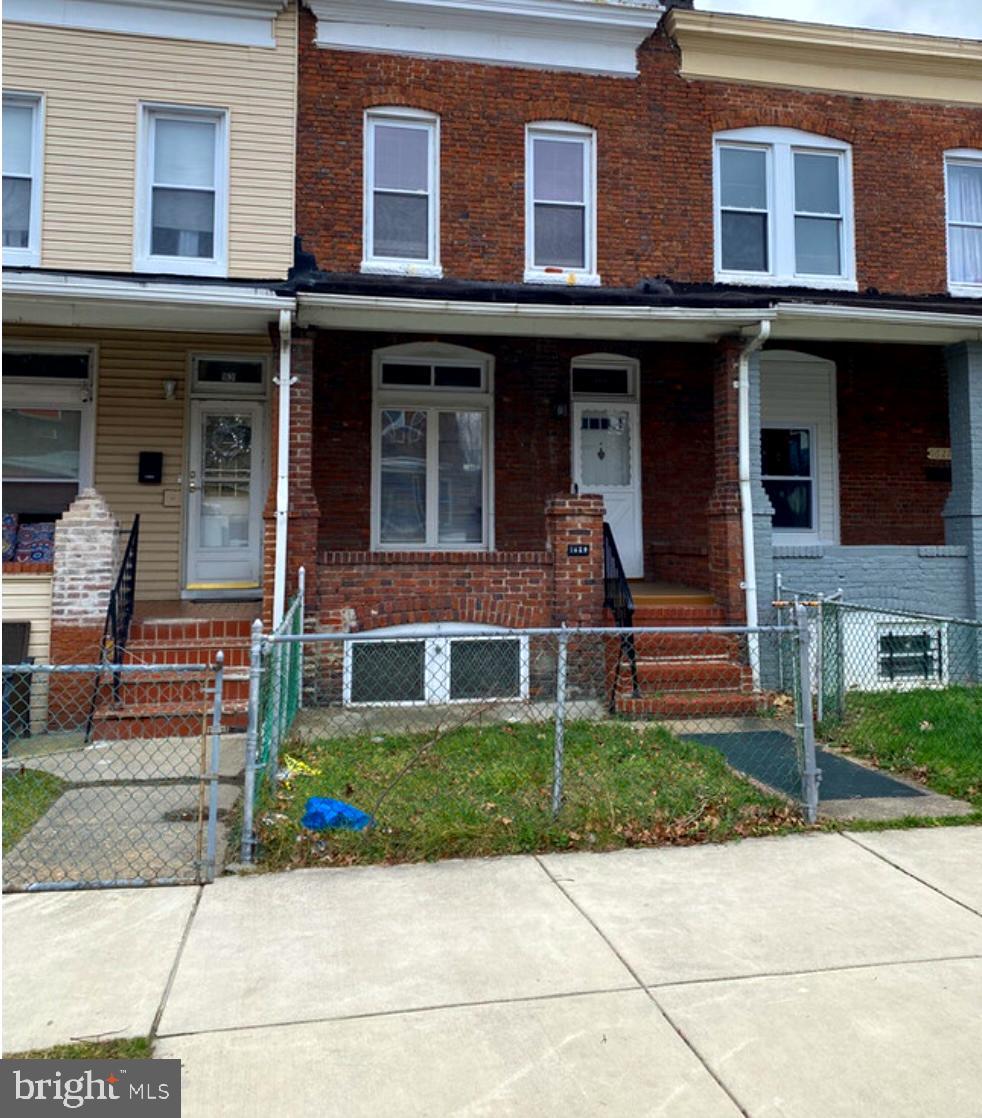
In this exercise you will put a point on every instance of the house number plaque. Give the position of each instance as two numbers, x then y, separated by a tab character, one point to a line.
575	549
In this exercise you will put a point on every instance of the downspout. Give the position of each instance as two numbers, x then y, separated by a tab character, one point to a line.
746	498
284	381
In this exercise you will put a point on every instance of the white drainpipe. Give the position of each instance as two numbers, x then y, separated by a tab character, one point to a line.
746	500
284	380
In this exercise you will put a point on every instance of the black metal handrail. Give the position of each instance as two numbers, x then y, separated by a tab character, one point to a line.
620	601
119	617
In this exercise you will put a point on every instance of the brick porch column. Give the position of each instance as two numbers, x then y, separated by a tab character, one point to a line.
578	580
725	535
304	513
963	512
83	574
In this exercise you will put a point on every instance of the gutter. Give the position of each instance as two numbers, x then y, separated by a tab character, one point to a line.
285	380
746	499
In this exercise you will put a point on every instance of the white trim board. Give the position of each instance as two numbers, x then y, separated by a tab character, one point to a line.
247	23
584	36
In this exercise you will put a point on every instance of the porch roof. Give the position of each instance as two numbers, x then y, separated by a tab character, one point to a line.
42	298
655	310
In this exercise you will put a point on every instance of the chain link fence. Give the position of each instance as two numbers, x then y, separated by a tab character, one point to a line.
898	689
112	775
450	740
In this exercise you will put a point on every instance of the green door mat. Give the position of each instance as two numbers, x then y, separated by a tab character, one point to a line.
769	756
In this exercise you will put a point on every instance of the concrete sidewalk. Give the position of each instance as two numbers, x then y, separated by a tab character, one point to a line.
815	975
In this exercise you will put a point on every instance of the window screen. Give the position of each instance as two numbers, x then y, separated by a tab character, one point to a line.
388	672
910	655
485	669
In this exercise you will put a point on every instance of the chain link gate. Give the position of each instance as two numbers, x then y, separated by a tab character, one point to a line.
548	732
111	775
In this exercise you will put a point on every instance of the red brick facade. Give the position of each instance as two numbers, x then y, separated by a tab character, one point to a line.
892	406
654	153
515	589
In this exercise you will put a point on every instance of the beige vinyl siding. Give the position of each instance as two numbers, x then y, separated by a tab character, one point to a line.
132	415
93	83
28	598
796	389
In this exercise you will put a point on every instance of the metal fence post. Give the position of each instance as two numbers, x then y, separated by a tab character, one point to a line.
216	756
252	744
811	775
560	742
301	628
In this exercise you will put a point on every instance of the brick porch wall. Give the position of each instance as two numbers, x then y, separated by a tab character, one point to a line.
515	589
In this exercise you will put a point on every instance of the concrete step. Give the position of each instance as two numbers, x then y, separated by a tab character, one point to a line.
693	704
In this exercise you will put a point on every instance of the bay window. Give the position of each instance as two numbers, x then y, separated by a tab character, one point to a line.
183	192
963	190
783	211
560	207
432	432
401	206
22	179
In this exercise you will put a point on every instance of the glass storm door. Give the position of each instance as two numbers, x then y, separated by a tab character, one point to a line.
607	460
224	496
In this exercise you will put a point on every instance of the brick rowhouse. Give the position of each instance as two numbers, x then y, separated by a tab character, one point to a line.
654	161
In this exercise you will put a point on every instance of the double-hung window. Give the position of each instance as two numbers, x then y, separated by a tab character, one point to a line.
22	179
783	211
963	190
182	210
432	455
560	204
401	207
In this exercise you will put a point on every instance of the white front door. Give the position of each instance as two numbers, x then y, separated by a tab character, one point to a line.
224	496
607	460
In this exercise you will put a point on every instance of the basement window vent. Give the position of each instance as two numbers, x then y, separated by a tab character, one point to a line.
429	665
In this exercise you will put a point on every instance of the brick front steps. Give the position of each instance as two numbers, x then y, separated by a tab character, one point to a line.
156	704
687	675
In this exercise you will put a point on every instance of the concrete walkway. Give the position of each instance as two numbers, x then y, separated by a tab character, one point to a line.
817	975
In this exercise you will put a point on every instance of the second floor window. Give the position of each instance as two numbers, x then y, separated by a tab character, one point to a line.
21	179
783	209
560	205
401	192
963	189
183	196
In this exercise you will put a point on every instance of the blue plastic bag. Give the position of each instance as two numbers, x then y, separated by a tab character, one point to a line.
322	814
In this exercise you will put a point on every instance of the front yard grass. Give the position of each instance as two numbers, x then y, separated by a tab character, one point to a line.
27	795
933	736
478	791
131	1048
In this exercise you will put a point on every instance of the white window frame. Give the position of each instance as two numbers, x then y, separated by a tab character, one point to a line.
780	146
812	533
432	400
587	137
372	262
437	638
30	257
220	389
144	260
861	632
971	157
69	395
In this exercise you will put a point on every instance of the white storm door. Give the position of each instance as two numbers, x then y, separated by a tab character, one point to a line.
607	460
224	496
